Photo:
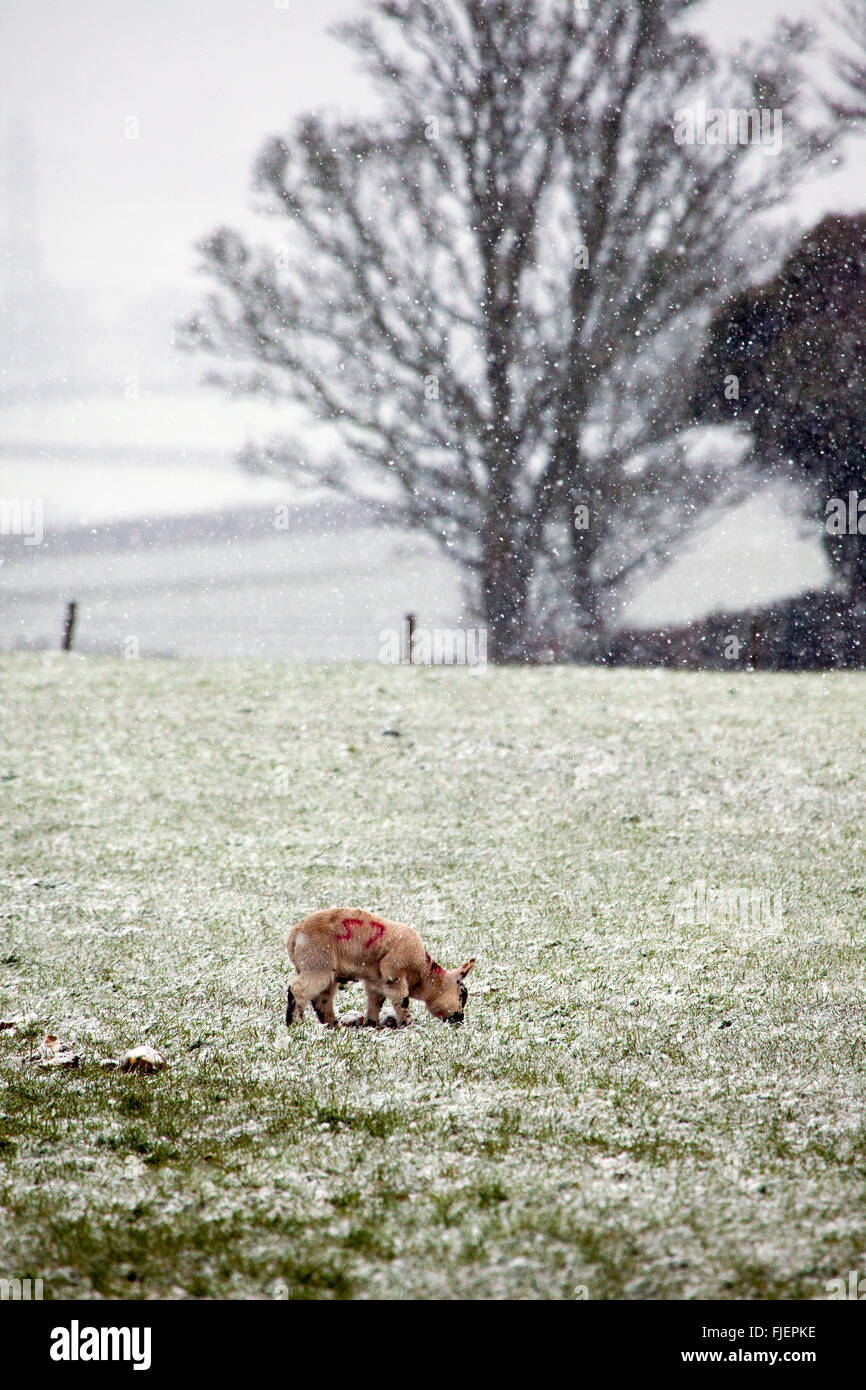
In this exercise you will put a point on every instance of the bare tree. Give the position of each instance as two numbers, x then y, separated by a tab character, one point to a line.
850	62
494	288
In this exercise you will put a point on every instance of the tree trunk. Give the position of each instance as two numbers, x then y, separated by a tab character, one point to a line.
504	594
585	531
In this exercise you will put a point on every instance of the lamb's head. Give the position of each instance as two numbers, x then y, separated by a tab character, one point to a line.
446	993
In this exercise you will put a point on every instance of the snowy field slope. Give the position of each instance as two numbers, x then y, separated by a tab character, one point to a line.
654	1095
240	591
148	525
297	595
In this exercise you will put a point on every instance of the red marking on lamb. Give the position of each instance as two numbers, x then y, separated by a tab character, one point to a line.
348	924
437	969
376	935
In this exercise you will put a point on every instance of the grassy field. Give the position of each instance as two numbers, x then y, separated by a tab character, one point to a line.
647	1100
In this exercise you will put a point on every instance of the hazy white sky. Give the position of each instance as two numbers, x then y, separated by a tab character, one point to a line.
206	80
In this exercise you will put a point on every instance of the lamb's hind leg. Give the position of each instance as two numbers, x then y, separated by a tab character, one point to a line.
323	1005
303	988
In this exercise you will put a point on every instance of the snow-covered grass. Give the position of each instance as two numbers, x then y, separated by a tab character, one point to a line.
648	1098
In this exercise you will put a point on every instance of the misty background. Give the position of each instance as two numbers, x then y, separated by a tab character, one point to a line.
126	135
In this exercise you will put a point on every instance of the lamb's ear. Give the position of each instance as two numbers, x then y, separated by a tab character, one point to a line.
464	969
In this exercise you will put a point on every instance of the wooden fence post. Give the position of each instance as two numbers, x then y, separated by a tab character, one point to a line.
69	626
408	635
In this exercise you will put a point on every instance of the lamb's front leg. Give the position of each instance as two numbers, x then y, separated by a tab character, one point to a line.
397	990
375	1000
